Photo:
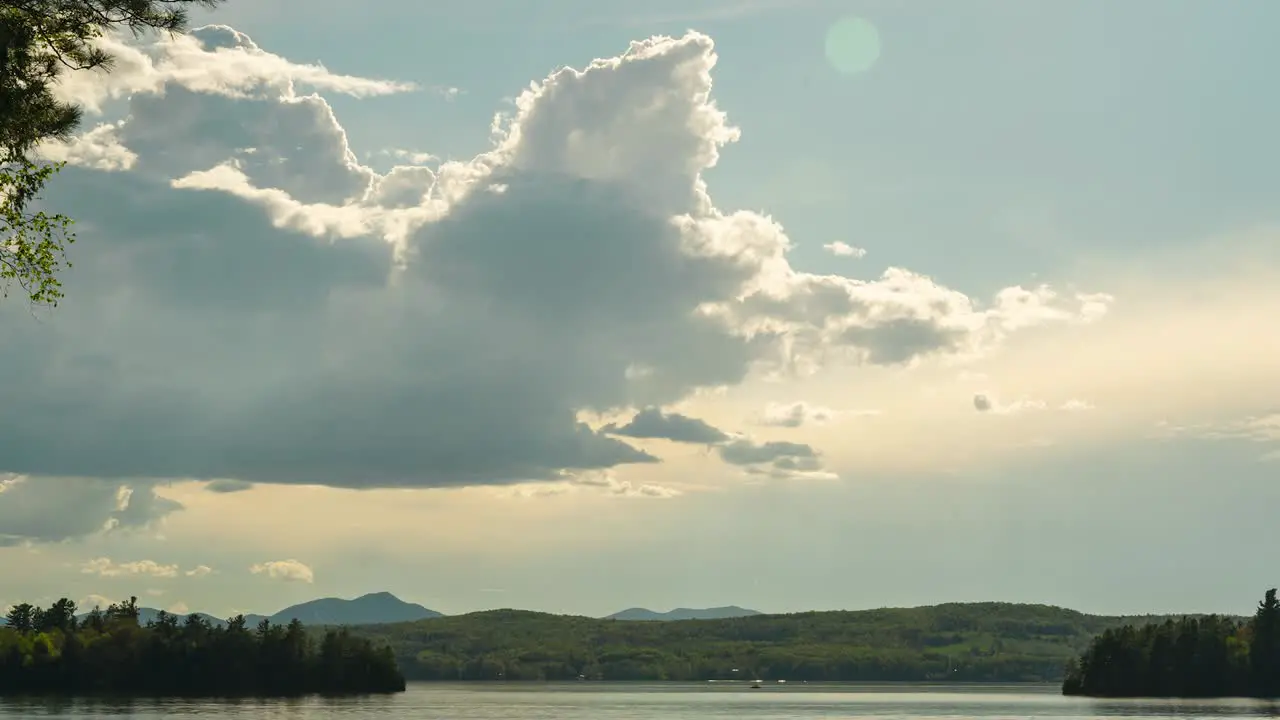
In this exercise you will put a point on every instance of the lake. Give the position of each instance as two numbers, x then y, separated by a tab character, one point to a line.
670	701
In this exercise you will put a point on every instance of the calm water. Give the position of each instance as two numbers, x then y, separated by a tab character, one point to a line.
596	701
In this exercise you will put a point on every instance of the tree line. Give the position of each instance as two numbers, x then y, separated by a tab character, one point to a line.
52	651
1195	657
978	642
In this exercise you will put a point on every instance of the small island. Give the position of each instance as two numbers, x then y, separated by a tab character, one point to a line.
52	651
1208	656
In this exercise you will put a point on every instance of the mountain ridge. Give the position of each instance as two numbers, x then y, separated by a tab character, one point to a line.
639	614
375	608
383	608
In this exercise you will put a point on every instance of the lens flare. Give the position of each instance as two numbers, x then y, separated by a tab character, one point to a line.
853	45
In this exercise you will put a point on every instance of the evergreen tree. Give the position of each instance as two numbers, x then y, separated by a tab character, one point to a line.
43	651
39	41
1264	647
1207	656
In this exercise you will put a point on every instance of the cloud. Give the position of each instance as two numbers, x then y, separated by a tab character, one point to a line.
653	423
89	602
1076	405
179	608
225	485
287	570
603	482
747	452
798	414
840	249
53	509
213	59
985	403
625	488
776	459
99	148
107	568
1262	428
199	571
251	302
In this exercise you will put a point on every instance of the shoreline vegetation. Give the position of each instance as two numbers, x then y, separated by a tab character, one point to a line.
1191	657
956	642
51	652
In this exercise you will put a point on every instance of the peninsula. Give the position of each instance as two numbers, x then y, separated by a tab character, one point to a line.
1207	656
49	651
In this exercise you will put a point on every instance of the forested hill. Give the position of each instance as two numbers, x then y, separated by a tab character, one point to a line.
1205	656
966	642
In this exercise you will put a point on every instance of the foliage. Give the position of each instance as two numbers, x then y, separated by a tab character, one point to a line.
1198	657
965	642
47	651
32	245
39	40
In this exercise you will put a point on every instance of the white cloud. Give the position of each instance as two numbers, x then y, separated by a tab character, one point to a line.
287	570
99	148
213	59
179	608
600	482
840	249
249	276
89	602
799	414
199	571
107	568
609	483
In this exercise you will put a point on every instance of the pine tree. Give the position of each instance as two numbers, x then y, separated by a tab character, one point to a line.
1264	649
39	41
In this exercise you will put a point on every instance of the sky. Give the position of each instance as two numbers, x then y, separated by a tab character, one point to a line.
578	306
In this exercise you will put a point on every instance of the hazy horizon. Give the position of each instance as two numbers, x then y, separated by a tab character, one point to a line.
787	305
142	602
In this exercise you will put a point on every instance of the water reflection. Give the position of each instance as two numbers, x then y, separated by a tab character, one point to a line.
1181	707
603	701
304	707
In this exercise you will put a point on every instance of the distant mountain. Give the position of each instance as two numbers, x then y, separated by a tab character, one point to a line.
146	615
718	613
372	609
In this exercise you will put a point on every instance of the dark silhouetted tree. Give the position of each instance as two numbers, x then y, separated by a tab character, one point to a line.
1264	648
39	41
1206	656
42	651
